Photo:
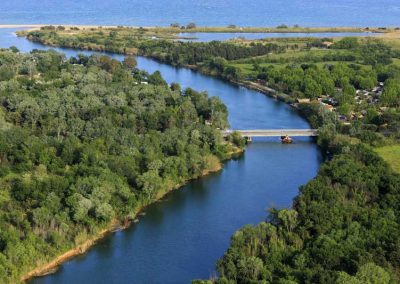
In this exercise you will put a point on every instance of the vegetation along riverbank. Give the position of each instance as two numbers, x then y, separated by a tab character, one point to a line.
85	144
344	225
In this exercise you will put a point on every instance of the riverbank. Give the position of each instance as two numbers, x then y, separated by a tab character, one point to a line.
116	225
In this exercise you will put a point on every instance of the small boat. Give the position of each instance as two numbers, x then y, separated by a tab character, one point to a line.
286	139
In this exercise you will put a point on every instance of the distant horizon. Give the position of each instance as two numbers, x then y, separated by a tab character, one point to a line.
29	25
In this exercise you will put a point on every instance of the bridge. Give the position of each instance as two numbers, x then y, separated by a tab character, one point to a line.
274	132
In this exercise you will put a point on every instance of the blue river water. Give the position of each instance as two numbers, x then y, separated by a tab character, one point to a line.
181	238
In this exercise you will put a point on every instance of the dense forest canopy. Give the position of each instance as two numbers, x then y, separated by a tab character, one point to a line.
89	140
344	225
343	228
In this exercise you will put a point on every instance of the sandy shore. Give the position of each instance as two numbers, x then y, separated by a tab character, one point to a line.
19	26
81	249
37	26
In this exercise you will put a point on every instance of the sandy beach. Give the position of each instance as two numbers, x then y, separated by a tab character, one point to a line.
37	26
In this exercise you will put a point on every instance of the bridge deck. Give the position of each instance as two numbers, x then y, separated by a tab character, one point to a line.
275	132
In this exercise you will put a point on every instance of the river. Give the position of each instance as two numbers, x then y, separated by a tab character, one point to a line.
181	238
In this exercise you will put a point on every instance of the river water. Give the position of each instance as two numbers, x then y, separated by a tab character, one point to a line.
181	238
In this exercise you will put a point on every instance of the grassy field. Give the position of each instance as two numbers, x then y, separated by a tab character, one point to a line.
391	154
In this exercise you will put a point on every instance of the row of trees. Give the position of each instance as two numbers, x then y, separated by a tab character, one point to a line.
193	53
172	52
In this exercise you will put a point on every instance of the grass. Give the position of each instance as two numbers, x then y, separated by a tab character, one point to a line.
391	154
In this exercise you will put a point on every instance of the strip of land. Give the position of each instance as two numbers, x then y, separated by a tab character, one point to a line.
210	29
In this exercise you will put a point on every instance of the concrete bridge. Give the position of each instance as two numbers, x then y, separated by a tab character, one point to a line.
274	132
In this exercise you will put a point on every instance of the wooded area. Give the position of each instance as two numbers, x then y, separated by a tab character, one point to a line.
84	142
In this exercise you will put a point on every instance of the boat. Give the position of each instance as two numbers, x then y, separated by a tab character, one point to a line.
286	139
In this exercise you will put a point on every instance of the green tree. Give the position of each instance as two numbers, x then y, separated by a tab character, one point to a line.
130	62
312	89
391	93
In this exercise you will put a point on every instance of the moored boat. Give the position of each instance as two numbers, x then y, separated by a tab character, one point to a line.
286	139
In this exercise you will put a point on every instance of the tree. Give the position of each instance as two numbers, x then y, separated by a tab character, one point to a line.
391	93
311	88
149	182
347	43
288	218
191	26
130	62
5	73
249	269
156	79
176	87
283	26
369	273
232	73
14	49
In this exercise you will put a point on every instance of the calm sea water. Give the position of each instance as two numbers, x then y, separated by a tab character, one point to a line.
203	12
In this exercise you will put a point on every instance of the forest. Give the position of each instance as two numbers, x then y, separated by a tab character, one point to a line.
342	228
89	141
344	225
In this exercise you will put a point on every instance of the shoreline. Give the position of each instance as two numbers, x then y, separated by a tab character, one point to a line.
36	26
115	225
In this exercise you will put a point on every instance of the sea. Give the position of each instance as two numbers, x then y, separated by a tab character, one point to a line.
312	13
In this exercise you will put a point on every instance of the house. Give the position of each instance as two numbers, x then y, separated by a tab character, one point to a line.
327	44
328	107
